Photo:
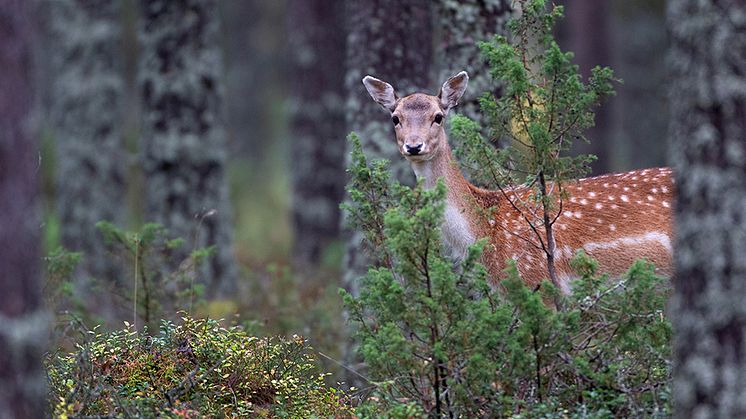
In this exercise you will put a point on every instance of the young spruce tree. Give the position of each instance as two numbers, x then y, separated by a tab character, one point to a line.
545	107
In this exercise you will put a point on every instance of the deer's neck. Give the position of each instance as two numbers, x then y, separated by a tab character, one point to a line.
460	225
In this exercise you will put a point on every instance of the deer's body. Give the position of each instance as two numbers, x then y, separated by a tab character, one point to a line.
615	218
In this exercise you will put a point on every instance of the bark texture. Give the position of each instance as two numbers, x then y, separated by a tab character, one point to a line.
317	47
184	140
23	324
86	114
708	148
390	40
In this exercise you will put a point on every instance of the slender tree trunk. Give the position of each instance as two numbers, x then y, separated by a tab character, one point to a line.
184	141
317	48
708	148
639	112
255	71
86	113
23	322
585	32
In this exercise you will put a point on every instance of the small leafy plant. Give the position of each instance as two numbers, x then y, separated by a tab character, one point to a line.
155	290
59	291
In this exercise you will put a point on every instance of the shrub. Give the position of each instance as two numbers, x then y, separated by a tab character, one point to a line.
192	369
436	337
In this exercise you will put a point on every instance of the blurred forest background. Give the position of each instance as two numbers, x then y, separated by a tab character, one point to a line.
225	121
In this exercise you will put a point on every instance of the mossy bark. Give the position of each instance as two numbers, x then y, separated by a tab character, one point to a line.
184	150
23	324
317	56
708	150
86	118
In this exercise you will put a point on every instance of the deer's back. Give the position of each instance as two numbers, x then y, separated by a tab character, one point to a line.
615	218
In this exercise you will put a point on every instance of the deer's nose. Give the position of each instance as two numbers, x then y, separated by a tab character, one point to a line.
413	150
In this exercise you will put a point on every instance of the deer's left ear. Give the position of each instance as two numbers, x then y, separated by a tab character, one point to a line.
381	92
452	90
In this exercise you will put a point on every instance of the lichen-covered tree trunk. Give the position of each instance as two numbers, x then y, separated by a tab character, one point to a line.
317	48
84	39
391	40
708	148
183	137
23	323
459	26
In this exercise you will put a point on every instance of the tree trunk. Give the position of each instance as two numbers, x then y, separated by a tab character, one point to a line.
23	322
255	72
86	114
317	74
391	40
184	142
707	132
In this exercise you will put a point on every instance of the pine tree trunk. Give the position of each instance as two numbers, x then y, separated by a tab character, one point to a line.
23	323
317	45
707	132
86	113
391	40
184	141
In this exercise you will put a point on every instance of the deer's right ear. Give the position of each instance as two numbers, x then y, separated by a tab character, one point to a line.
381	92
452	90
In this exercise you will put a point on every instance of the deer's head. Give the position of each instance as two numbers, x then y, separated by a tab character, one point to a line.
418	118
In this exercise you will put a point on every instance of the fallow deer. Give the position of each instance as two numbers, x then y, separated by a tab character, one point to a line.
615	218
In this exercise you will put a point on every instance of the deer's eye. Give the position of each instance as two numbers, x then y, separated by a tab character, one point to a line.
395	120
438	118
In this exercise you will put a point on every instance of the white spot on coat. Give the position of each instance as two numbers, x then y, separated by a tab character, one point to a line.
651	236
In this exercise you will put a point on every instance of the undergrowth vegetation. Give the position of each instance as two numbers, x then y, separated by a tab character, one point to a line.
193	368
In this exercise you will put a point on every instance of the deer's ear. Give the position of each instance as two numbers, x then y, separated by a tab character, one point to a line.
381	92
452	90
